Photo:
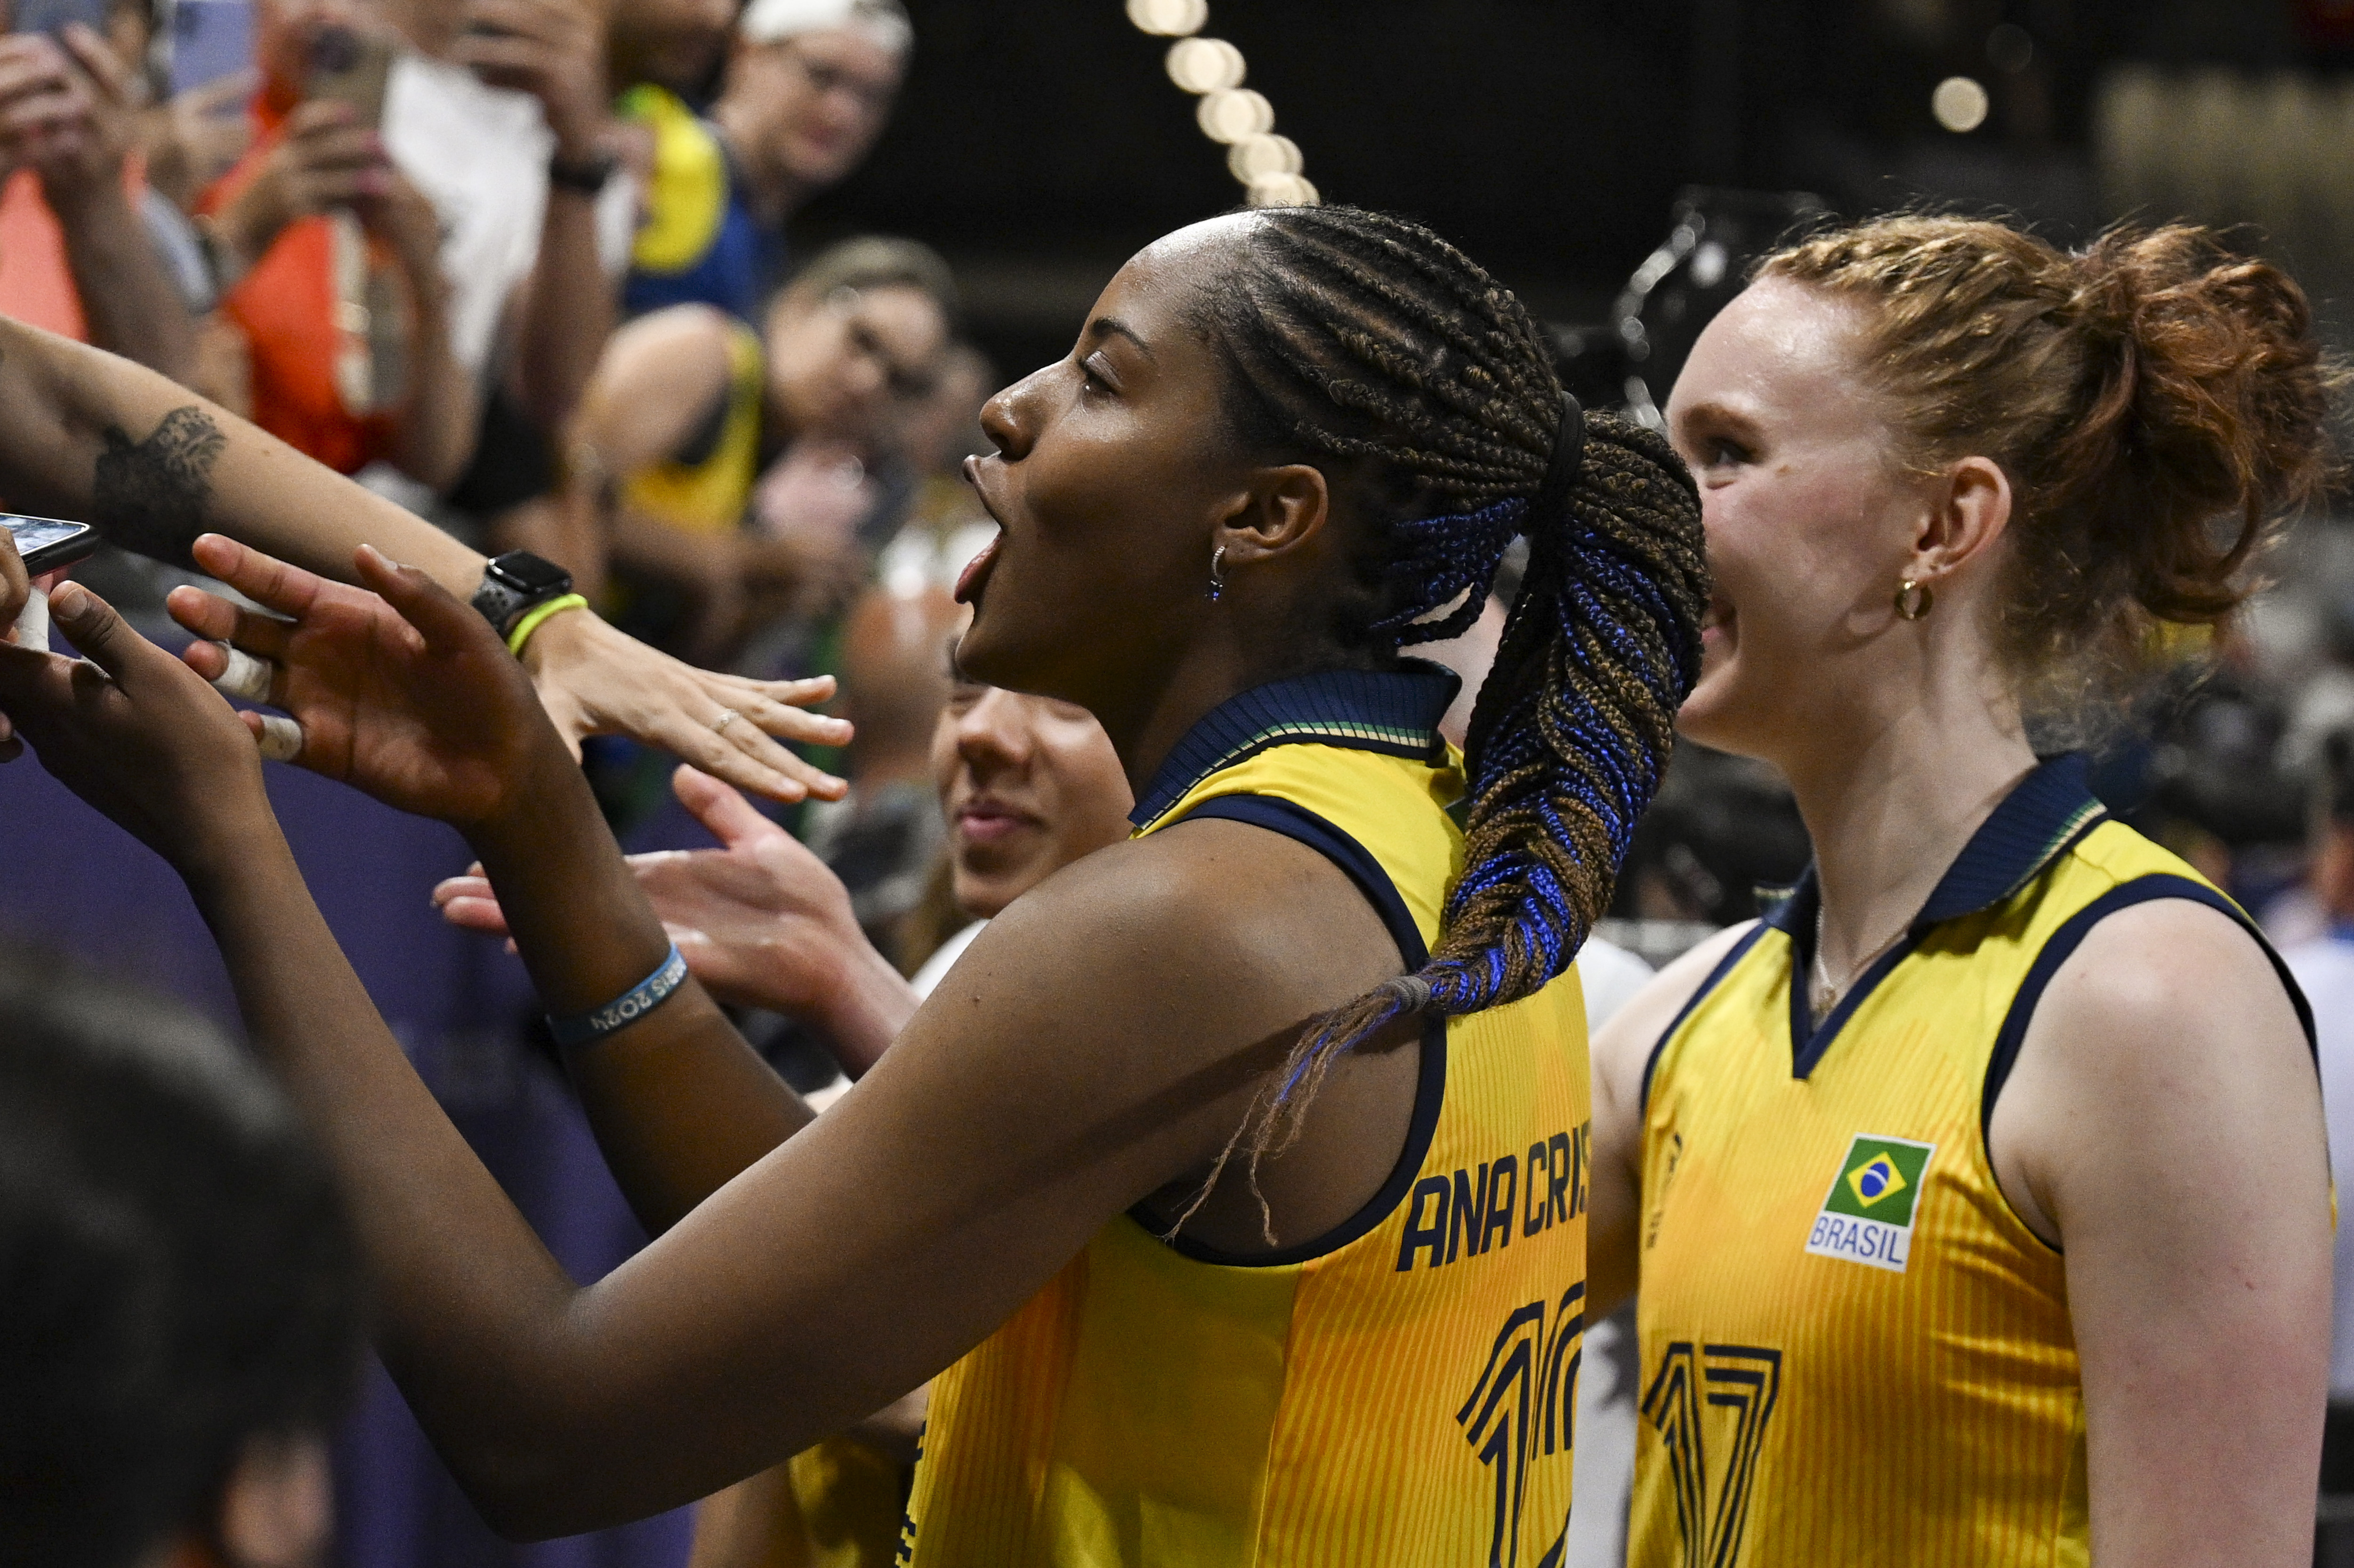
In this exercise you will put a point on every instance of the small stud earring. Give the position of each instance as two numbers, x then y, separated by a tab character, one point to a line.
1914	600
1217	574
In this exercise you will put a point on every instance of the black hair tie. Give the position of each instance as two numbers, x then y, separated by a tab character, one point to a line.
1552	497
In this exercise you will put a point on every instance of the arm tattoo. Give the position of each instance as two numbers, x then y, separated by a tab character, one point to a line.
150	496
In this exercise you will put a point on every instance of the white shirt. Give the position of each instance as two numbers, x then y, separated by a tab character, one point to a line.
480	154
934	969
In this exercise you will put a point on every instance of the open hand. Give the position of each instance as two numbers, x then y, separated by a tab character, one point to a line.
403	692
137	734
760	922
597	681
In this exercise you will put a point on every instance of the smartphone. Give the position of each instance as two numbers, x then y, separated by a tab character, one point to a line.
210	39
48	543
51	16
351	67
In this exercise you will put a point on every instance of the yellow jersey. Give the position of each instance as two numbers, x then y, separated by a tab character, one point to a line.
1398	1390
1854	1349
706	487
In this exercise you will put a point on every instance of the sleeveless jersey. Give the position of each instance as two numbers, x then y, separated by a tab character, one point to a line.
706	488
698	242
1854	1349
1398	1390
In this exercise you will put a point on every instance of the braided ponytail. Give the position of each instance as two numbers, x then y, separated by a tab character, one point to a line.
1371	343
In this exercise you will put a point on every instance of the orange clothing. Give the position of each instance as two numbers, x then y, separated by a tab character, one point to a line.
37	287
37	284
286	309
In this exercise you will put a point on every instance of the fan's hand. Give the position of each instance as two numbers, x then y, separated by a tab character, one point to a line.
139	735
761	922
402	691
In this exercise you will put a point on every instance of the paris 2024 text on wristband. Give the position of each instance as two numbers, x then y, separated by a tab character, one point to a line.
586	1028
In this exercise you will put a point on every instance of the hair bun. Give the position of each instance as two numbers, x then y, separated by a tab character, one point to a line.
2158	401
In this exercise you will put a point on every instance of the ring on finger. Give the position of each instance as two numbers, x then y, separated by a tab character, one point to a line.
243	676
727	716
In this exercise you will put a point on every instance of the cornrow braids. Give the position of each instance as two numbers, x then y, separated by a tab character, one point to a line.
1371	346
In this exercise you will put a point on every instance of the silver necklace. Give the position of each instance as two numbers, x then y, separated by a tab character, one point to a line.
1822	994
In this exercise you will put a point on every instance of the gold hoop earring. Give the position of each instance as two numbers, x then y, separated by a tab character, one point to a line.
1915	599
1217	577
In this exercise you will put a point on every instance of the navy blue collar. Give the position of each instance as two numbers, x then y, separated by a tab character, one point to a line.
1395	712
2045	813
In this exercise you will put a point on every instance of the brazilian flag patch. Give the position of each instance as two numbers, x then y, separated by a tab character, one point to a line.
1867	1217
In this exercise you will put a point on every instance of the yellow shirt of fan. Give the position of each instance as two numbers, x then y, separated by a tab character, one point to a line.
1854	1350
1399	1392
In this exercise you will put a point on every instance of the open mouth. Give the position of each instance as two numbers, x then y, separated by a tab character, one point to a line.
1716	625
976	571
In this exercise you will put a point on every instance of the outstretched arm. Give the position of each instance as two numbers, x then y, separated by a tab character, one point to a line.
374	696
83	434
1061	1082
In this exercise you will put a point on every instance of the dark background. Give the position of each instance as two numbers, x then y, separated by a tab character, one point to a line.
1039	144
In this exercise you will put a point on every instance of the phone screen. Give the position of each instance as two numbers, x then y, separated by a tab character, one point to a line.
351	67
210	39
51	16
48	543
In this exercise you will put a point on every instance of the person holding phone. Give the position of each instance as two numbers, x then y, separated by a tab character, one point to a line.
330	258
498	110
75	256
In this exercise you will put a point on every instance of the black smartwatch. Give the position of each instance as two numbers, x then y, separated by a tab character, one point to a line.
586	177
515	582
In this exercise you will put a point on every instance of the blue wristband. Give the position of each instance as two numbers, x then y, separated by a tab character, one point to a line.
582	1028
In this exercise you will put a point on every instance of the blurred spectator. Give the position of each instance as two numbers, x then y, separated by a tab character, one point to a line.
687	407
76	256
884	837
810	84
679	45
179	1295
946	524
2323	704
500	116
330	259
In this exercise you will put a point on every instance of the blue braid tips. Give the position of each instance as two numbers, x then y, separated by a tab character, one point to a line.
1448	559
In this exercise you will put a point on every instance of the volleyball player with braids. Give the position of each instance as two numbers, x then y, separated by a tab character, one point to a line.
1977	1195
1233	1182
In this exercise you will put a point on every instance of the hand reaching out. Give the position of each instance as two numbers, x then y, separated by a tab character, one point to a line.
138	735
597	681
760	921
403	692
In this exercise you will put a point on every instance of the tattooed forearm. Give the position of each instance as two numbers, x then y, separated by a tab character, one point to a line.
150	496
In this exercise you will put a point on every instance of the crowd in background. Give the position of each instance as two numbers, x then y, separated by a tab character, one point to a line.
522	266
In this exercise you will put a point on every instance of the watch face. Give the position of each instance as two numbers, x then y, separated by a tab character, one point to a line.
528	572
